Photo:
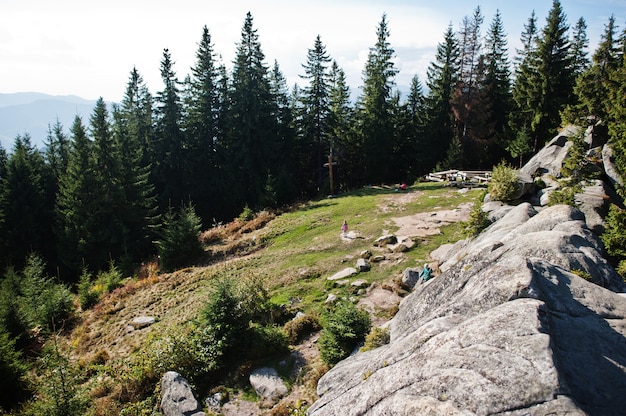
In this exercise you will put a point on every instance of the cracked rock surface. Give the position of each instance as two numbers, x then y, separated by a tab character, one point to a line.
506	329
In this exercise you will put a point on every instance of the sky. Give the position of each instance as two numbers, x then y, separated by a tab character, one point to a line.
88	48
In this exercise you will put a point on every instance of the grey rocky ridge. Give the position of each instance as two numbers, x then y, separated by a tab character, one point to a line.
528	318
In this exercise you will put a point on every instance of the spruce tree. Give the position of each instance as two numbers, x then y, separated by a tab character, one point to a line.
251	150
341	128
464	96
27	218
132	134
616	116
315	98
281	185
57	149
107	168
375	108
167	159
593	85
524	91
578	51
78	205
497	86
202	127
412	133
553	82
442	75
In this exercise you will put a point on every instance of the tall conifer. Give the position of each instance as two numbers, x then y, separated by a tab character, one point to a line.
442	75
315	98
167	159
375	110
251	144
203	109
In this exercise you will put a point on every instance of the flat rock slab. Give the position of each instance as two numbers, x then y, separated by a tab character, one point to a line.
507	328
142	322
347	272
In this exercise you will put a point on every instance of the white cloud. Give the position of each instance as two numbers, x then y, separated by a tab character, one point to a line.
88	49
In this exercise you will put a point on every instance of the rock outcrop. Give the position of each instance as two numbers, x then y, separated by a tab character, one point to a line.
525	319
508	328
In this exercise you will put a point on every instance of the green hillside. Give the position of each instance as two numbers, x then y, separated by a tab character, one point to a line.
289	255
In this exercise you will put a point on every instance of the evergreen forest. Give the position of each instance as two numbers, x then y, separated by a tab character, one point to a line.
130	183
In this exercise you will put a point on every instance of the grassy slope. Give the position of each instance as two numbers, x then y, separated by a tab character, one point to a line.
293	254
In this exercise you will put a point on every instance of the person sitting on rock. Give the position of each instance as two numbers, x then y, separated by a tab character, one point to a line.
425	274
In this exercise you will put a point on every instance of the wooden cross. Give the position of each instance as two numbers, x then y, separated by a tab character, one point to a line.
330	164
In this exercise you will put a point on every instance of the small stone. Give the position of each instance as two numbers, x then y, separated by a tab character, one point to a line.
141	322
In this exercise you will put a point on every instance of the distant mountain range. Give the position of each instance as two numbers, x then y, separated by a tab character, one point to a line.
32	113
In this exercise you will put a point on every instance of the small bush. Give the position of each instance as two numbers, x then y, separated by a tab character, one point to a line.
246	215
179	242
614	238
376	338
298	328
42	302
581	273
87	295
478	220
504	183
343	328
564	196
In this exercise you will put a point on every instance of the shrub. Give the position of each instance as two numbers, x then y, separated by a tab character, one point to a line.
564	196
59	391
376	338
343	328
87	295
90	293
504	183
42	302
478	220
179	242
614	238
300	327
13	370
246	215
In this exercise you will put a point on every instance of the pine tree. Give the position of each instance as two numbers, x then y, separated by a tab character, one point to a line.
281	185
524	94
27	219
107	167
442	76
412	125
580	43
497	85
168	155
593	85
554	80
57	149
341	128
251	145
467	88
203	109
78	204
375	109
132	133
315	98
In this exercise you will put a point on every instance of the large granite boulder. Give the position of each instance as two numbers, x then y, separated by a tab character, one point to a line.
548	161
267	383
177	397
510	327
